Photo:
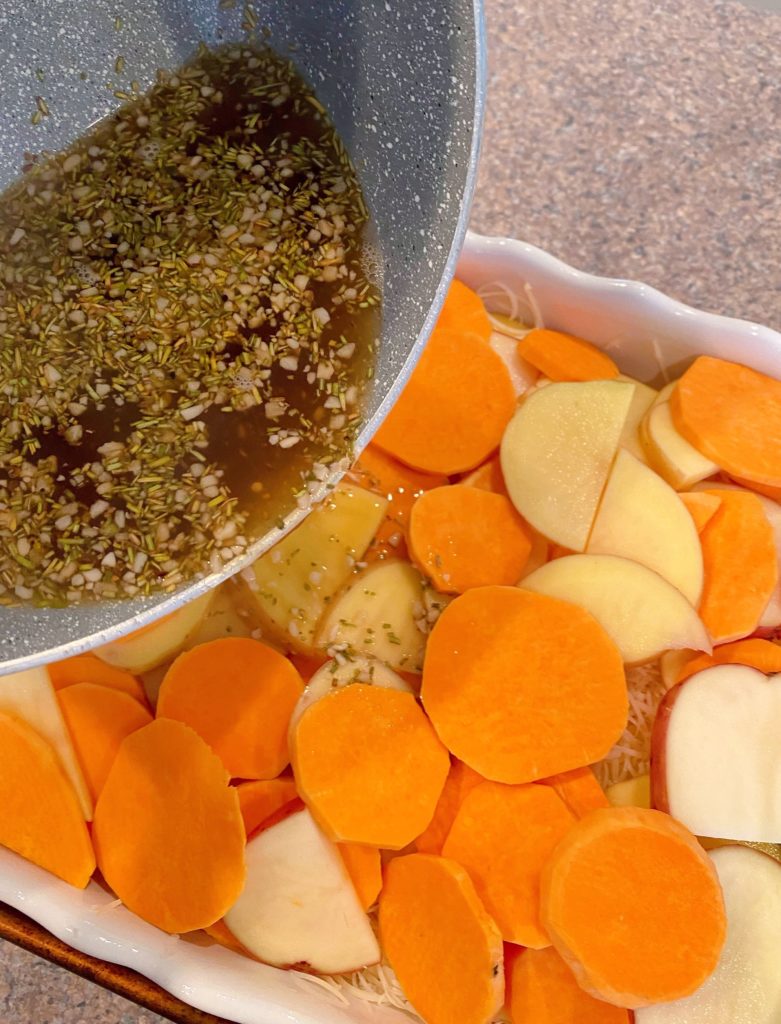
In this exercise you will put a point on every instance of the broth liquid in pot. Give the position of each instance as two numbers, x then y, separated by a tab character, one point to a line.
187	326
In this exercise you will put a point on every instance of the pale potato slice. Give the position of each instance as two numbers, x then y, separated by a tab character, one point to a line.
671	664
223	618
641	611
380	613
434	604
631	793
346	670
642	400
30	697
715	763
298	907
641	517
669	453
294	581
557	452
158	642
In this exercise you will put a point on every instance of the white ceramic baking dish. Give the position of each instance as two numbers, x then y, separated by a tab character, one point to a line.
649	334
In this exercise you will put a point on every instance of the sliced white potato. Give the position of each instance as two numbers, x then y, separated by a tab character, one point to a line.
30	697
381	614
222	619
522	374
641	611
295	580
151	645
631	793
670	454
298	907
642	400
745	988
641	517
670	665
557	452
434	604
716	763
344	671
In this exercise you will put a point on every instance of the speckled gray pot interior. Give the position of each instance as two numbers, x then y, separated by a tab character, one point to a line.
403	80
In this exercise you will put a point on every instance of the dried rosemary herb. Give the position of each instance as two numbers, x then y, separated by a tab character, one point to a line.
186	325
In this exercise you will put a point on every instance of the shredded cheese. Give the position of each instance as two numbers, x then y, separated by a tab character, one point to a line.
631	756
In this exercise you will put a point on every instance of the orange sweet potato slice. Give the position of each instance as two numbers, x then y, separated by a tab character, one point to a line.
624	887
731	414
463	537
369	766
702	506
86	668
504	836
400	486
579	789
168	831
453	411
463	310
364	867
522	686
741	566
543	990
41	817
99	719
238	694
563	357
754	652
442	944
259	799
460	781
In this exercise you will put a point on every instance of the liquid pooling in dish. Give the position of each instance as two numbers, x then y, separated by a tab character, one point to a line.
186	330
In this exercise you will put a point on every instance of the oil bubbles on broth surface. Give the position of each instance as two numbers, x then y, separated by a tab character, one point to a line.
187	327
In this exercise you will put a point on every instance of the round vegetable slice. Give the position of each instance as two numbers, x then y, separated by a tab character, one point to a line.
741	566
633	904
442	944
563	357
521	686
463	310
99	719
543	990
460	781
732	414
168	831
504	836
238	694
369	765
356	670
259	799
86	668
41	815
453	411
463	537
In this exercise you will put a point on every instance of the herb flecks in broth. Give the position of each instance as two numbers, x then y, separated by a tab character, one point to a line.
185	330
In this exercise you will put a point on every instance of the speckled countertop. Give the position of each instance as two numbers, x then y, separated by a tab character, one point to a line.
635	138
